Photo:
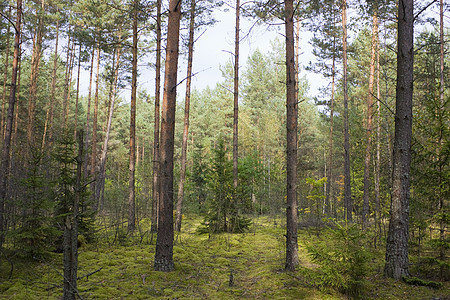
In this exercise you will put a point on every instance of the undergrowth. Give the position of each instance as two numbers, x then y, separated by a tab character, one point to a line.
207	266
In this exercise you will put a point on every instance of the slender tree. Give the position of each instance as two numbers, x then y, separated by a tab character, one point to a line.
291	146
100	186
348	203
397	262
4	168
132	157
164	241
34	72
186	118
5	78
156	160
236	97
365	211
94	130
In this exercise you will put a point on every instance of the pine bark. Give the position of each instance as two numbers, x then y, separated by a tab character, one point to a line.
100	186
236	98
291	146
88	117
4	168
48	124
164	241
132	158
442	208
34	75
366	204
5	79
329	186
397	262
156	172
186	119
94	132
348	202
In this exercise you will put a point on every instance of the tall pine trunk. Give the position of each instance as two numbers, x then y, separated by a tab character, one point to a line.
291	146
366	204
88	117
236	99
34	75
132	158
4	168
186	119
348	202
329	186
156	172
397	262
5	79
48	124
94	132
164	241
100	186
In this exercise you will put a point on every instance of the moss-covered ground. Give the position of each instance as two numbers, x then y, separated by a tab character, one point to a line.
220	266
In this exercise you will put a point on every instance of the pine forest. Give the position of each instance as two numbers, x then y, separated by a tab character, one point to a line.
224	149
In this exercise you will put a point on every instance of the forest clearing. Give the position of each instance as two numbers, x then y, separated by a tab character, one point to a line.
140	184
218	266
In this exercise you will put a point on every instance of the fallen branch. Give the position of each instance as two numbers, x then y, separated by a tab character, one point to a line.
89	274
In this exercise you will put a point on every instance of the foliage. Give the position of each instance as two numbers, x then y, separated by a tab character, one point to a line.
342	258
224	208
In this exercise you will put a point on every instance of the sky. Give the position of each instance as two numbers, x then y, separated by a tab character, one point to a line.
213	49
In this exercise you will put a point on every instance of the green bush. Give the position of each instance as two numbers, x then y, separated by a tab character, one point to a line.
342	258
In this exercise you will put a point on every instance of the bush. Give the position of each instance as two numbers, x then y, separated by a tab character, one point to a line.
342	259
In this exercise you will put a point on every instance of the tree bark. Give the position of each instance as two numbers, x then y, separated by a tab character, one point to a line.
291	146
4	170
348	202
366	206
156	172
397	262
88	117
164	241
77	94
328	190
236	98
48	124
378	154
442	209
186	119
5	78
34	75
100	186
94	132
132	162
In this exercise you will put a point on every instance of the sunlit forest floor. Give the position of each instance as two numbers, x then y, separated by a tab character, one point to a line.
219	266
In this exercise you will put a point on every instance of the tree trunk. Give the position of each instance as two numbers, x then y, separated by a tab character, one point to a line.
442	209
397	262
67	80
88	117
48	124
99	188
77	94
94	132
328	190
71	233
378	155
186	119
34	75
164	241
5	79
348	202
236	99
291	146
156	172
132	162
4	170
366	206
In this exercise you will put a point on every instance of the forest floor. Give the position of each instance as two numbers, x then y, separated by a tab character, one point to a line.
220	266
